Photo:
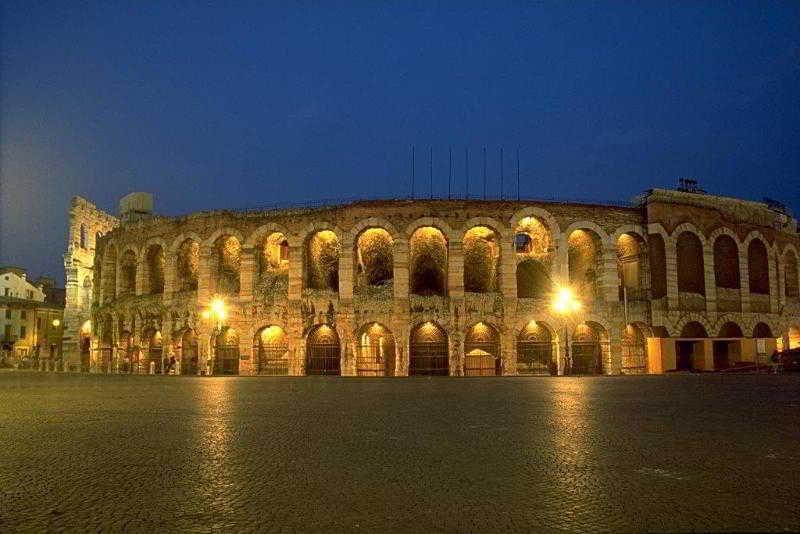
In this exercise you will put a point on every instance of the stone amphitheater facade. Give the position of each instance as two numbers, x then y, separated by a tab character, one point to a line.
459	287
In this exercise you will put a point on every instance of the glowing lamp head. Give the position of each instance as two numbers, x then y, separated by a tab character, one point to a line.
560	306
218	306
56	323
564	294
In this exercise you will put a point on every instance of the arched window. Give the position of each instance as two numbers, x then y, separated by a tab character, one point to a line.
322	261
691	269
758	266
83	238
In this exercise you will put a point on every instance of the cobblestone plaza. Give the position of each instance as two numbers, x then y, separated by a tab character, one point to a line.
153	453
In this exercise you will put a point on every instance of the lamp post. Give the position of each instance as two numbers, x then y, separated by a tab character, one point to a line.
565	304
217	313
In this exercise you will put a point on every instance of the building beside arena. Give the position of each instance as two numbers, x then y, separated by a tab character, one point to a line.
678	280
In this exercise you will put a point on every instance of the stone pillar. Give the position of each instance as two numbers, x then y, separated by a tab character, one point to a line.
247	274
295	272
609	275
744	281
400	329
400	255
508	270
142	277
170	274
456	348
615	351
346	271
455	270
508	353
294	331
671	258
773	283
204	279
709	279
560	270
781	285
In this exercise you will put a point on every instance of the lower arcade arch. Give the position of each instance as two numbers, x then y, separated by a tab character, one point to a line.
188	351
762	331
85	337
271	351
152	338
536	354
226	348
104	353
126	353
429	353
482	356
689	350
588	349
323	351
375	351
634	350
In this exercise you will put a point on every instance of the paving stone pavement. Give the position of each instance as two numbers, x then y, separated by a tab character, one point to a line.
204	454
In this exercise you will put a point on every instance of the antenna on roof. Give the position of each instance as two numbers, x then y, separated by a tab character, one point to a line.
412	170
430	162
517	173
466	168
484	173
450	173
501	173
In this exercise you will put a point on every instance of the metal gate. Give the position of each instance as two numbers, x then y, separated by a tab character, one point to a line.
370	361
482	358
104	360
536	358
323	359
273	360
154	356
586	358
429	359
85	355
227	360
634	359
189	359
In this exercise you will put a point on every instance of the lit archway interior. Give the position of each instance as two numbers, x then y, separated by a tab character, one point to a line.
588	349
584	256
374	258
482	351
631	267
481	260
322	261
429	352
227	352
188	261
155	269
271	350
323	351
228	265
428	262
376	351
189	354
535	350
634	350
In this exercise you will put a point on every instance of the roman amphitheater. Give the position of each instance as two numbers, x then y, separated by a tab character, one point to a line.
675	281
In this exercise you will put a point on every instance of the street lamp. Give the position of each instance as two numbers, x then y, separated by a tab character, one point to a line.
565	304
217	312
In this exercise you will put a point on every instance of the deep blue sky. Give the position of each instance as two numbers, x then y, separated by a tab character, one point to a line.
222	107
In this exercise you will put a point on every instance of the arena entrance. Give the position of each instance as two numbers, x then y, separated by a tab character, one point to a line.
271	349
587	350
482	351
689	353
536	351
154	352
189	353
323	352
429	354
376	354
125	364
227	353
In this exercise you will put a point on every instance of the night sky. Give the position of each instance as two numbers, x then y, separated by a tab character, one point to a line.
221	107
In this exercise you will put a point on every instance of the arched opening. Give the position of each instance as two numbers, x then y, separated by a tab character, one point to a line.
323	351
632	268
188	261
228	259
85	336
758	267
727	352
227	352
726	274
429	352
97	278
634	350
481	260
375	355
534	251
154	270
428	262
730	329
374	260
588	349
86	291
84	242
322	261
126	352
128	273
273	266
482	356
584	257
689	352
791	289
658	266
762	331
189	352
691	272
152	338
271	351
533	280
536	353
109	274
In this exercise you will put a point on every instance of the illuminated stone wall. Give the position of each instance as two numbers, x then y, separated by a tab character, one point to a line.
456	263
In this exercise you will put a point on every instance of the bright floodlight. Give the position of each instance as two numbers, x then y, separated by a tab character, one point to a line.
218	307
56	322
